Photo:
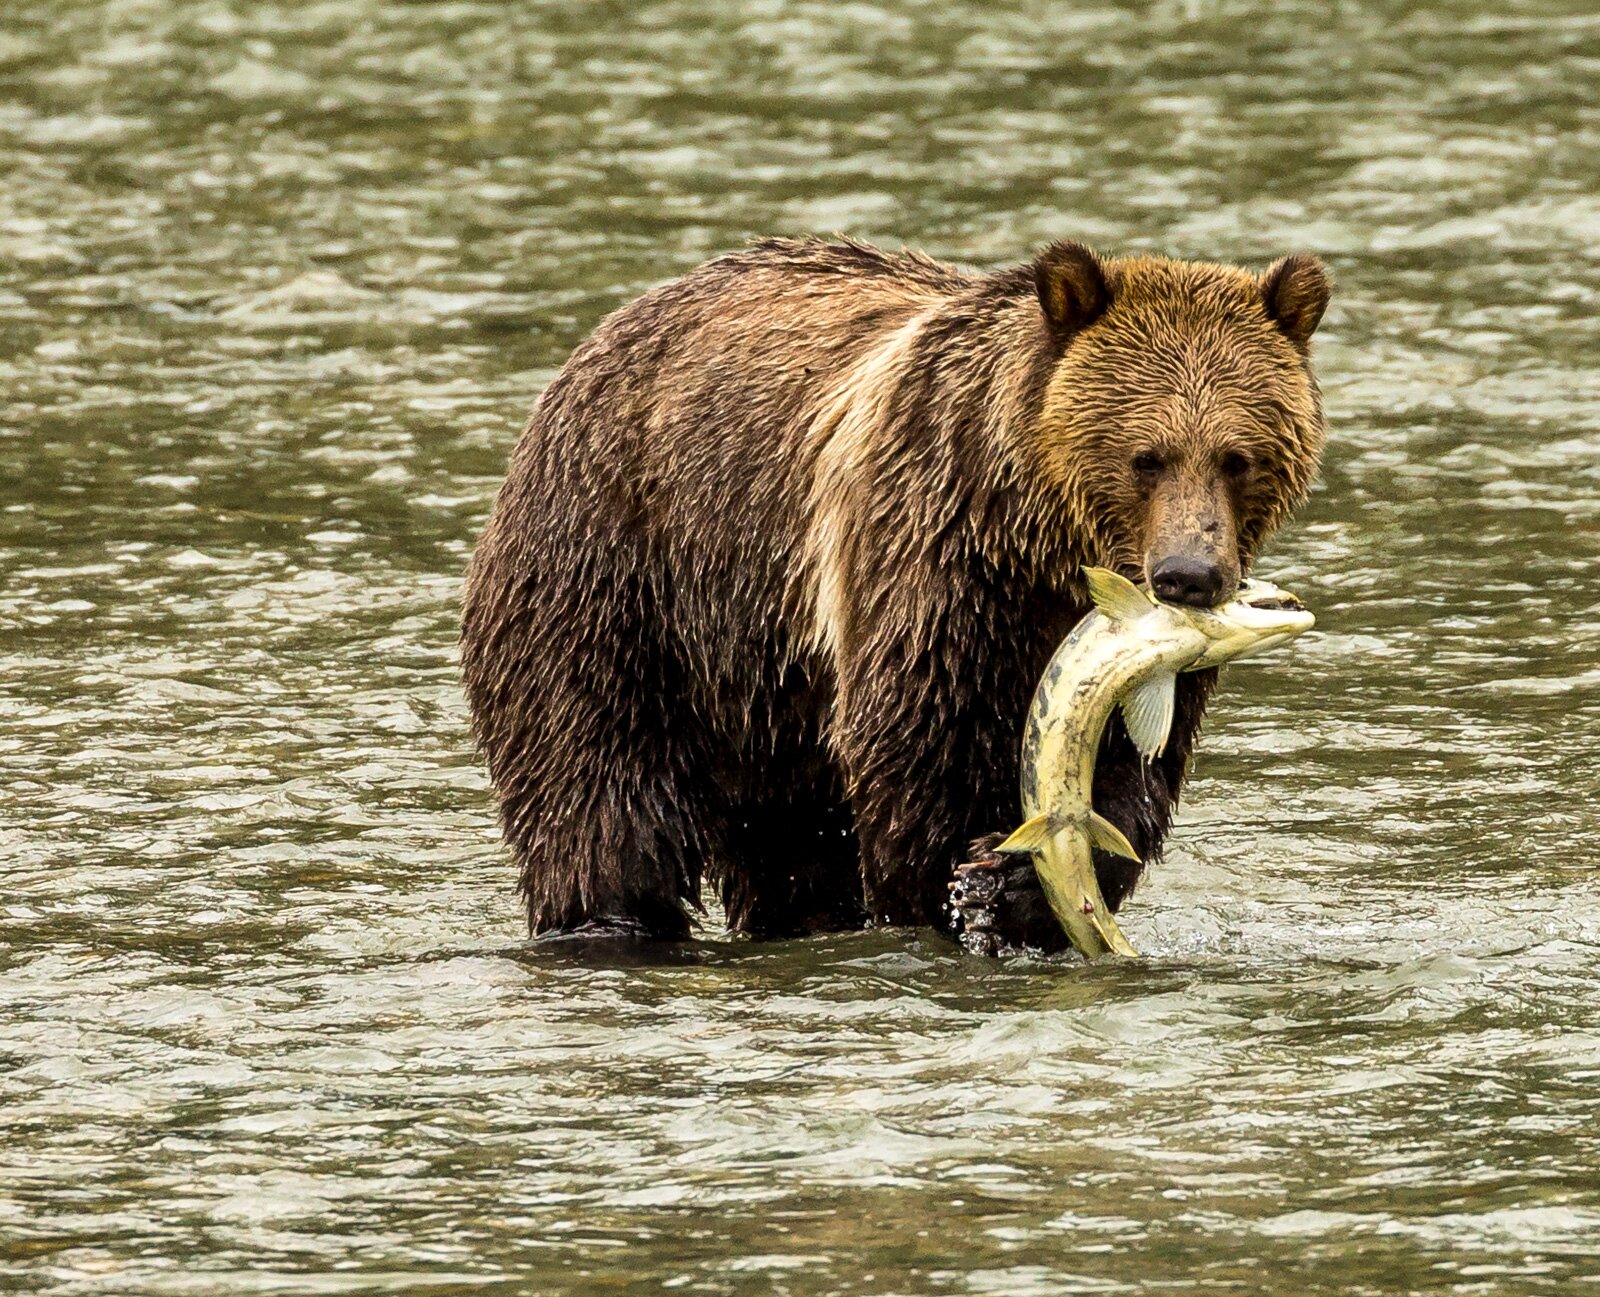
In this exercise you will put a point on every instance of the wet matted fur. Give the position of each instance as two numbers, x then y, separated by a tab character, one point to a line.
786	543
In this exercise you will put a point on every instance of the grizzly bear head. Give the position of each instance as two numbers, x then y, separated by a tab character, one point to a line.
1180	420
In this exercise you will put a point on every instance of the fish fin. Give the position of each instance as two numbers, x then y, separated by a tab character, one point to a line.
1147	712
1108	837
1111	934
1116	596
1030	837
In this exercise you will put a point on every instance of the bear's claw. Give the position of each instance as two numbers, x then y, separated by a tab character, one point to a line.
997	904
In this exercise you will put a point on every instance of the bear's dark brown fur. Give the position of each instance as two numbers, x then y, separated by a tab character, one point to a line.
787	542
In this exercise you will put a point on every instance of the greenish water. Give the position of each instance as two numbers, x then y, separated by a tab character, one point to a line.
278	284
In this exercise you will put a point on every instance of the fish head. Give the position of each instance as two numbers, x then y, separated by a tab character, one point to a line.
1259	617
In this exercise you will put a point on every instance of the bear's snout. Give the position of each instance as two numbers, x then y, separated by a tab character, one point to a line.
1185	579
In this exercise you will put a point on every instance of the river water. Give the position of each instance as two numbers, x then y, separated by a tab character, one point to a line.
278	283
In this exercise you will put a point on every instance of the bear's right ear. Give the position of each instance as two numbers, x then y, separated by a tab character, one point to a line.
1071	284
1295	291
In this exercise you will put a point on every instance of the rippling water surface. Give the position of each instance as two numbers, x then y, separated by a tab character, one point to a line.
278	284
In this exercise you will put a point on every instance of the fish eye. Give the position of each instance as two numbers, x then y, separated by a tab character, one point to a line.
1236	464
1147	463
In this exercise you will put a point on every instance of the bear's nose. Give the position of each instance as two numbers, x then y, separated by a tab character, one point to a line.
1181	579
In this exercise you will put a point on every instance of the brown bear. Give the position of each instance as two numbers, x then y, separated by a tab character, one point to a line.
787	542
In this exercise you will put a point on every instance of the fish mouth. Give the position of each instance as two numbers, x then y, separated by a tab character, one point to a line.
1268	612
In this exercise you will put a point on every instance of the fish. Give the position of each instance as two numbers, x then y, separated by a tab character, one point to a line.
1127	651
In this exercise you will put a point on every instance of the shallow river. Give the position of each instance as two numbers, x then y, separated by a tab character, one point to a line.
278	284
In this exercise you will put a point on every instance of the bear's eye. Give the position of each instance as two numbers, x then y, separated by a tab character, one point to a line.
1147	464
1236	465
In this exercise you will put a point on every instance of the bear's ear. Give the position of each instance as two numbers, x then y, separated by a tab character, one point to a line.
1295	292
1072	286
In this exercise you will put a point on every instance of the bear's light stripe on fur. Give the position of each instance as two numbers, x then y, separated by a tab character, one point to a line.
843	433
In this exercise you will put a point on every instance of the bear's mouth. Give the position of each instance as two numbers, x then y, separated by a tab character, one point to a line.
1284	603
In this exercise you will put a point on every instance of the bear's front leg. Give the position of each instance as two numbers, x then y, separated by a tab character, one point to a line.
919	795
930	704
997	903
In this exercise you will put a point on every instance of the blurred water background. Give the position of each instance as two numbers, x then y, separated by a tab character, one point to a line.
278	283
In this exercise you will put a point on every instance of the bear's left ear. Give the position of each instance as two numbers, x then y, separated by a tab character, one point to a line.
1071	284
1295	291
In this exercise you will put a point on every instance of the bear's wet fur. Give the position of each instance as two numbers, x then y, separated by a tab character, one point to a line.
786	543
